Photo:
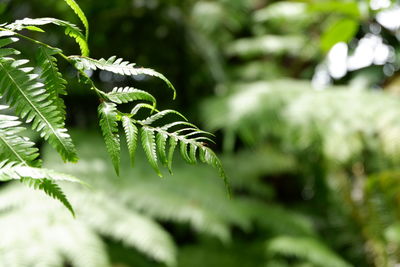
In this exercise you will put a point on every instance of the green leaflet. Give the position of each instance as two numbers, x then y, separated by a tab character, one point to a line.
172	145
78	11
161	141
52	78
32	103
184	152
121	95
131	133
192	152
109	128
160	115
118	66
149	147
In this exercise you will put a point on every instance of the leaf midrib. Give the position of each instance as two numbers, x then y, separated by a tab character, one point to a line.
34	107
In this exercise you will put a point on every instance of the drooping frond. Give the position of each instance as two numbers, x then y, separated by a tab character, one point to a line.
14	147
53	80
180	199
118	66
157	140
70	29
109	128
78	11
33	103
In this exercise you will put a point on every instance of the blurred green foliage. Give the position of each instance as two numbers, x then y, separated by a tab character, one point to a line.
314	171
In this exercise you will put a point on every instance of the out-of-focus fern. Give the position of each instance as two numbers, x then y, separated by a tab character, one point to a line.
126	210
287	108
34	92
307	249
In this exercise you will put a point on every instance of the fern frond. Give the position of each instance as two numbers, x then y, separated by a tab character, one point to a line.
52	78
121	95
39	178
70	29
14	147
78	11
16	171
118	66
79	242
149	147
306	248
109	128
32	103
131	133
112	218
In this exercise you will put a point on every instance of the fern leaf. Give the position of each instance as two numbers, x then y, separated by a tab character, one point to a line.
149	147
131	133
121	95
139	106
52	78
13	146
184	152
177	123
109	128
38	178
161	141
160	115
192	152
70	29
306	248
172	145
32	103
16	171
78	11
118	66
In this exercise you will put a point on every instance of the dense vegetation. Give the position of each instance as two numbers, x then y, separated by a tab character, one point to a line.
307	128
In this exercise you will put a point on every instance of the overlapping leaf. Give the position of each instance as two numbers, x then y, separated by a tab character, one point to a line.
32	103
